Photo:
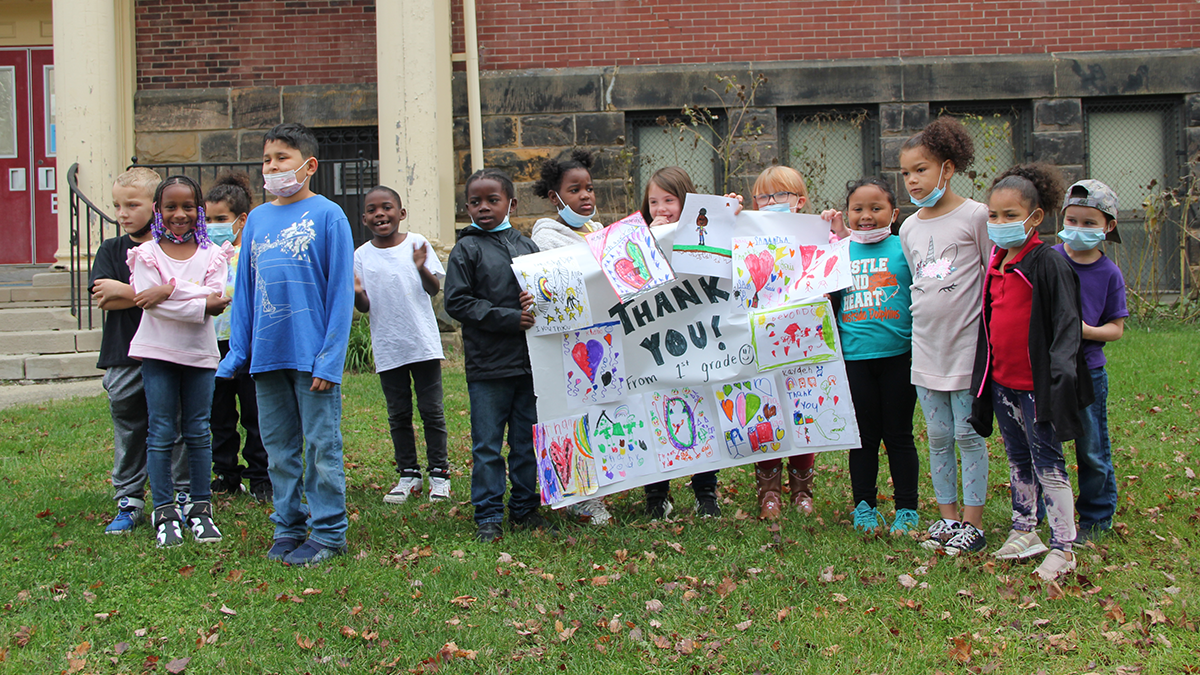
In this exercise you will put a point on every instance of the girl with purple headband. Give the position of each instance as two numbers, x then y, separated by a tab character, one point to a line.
179	279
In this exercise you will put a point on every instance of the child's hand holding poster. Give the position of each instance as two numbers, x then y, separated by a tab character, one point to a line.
630	257
555	279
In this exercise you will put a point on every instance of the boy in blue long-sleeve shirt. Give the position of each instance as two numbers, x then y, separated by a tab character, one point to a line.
292	309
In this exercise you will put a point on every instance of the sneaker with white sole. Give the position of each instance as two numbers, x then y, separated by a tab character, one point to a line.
439	488
408	485
199	520
131	512
940	531
168	523
591	511
867	518
970	539
1020	545
1057	563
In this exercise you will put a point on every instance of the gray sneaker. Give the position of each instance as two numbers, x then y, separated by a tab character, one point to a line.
200	522
1020	545
1056	564
168	526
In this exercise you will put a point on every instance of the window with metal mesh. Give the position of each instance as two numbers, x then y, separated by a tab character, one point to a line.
830	148
659	142
1001	139
349	167
1135	148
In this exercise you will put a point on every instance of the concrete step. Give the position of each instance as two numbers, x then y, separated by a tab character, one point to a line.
50	341
49	367
25	296
56	278
34	318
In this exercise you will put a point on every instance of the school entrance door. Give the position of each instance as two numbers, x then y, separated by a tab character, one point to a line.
28	185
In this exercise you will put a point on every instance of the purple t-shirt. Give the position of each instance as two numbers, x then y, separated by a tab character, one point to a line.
1102	299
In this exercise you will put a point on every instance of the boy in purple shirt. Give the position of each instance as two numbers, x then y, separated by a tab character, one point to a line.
1090	217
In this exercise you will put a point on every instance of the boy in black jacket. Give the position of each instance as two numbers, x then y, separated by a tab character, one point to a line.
482	292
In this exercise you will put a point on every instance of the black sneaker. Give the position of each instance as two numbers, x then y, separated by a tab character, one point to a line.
488	532
533	521
227	485
707	506
263	491
969	539
657	508
1084	535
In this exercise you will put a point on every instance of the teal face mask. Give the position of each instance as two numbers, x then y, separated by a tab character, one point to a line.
778	208
1007	235
932	199
504	224
220	233
1078	238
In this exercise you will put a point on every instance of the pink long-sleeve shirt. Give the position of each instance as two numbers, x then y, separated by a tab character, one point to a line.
178	330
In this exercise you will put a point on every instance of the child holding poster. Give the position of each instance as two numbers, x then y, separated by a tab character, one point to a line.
945	241
568	186
782	188
1029	369
662	203
875	325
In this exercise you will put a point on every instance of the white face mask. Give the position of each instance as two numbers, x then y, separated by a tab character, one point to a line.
870	236
284	183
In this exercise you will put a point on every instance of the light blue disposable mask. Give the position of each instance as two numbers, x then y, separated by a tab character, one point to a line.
504	224
932	199
220	233
1007	235
779	208
1078	238
571	218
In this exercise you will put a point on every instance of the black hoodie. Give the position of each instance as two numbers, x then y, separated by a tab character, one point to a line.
482	292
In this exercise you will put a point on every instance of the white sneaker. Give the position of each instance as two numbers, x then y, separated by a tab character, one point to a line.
1056	564
1020	545
408	485
940	532
591	511
439	489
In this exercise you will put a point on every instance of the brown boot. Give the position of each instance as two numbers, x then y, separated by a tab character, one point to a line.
800	482
769	477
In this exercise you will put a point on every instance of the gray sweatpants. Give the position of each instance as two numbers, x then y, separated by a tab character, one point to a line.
127	403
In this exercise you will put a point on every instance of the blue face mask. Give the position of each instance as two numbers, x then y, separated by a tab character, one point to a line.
504	224
220	233
1081	238
1007	235
932	199
571	218
778	208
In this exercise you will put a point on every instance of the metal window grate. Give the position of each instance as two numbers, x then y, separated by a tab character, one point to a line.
830	148
1002	136
657	144
1137	148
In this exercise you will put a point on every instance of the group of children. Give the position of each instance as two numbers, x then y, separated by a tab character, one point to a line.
965	310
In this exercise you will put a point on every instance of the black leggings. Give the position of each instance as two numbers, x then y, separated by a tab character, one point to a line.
884	400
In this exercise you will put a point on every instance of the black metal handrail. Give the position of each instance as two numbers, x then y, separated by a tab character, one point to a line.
83	214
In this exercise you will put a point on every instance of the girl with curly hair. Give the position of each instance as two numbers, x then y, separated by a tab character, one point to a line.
567	184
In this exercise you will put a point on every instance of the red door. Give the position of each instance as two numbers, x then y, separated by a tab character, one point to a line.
43	178
16	203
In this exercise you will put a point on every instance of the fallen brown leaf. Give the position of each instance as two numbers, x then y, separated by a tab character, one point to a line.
178	665
743	625
654	606
186	570
726	587
303	642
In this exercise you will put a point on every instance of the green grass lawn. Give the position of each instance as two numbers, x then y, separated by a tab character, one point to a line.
730	595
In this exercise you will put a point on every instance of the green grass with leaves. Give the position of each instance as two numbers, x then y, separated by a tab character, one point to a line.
728	595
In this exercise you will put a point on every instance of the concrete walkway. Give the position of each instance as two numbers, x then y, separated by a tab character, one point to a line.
30	394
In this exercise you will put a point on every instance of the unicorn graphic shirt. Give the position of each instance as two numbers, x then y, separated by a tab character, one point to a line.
946	255
294	296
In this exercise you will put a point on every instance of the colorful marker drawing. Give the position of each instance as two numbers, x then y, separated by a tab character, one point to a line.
683	428
565	466
630	257
801	333
594	364
819	403
750	416
703	240
764	269
559	295
621	441
821	270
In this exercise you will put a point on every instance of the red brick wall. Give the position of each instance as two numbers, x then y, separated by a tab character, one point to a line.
571	33
196	43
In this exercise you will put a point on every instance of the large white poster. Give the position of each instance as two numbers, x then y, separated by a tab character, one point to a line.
684	384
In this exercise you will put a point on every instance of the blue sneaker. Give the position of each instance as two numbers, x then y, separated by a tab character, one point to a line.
283	547
131	512
312	553
867	518
907	520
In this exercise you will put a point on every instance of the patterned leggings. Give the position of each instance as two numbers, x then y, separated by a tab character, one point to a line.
946	423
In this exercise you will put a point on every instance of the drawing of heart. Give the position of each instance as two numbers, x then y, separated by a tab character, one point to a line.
829	265
809	254
727	406
588	357
560	458
747	406
769	411
627	272
544	288
760	267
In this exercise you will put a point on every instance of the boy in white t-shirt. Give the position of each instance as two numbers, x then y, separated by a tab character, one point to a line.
395	275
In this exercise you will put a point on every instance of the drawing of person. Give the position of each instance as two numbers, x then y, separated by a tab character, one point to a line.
702	224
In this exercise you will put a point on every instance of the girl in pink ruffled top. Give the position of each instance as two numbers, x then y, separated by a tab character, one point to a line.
179	280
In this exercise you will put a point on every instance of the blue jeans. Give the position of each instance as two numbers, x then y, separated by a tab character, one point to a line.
183	393
1036	466
302	432
1097	501
495	403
